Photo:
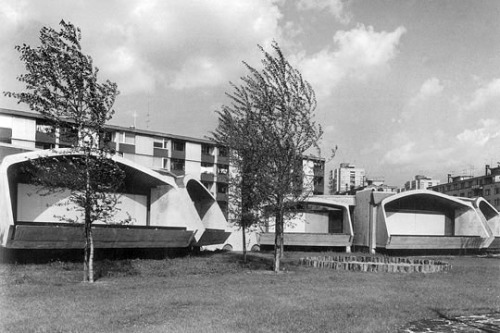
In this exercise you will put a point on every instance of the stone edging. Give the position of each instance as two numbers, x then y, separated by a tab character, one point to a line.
376	264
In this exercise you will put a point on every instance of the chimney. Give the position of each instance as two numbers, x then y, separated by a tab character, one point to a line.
486	169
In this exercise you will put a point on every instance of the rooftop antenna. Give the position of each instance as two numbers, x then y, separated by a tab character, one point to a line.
147	117
135	119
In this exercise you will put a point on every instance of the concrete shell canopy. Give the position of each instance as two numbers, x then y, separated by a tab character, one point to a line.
209	212
425	219
164	214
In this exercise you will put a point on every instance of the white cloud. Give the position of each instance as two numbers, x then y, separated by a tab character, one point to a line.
143	44
486	94
429	88
488	130
358	53
335	7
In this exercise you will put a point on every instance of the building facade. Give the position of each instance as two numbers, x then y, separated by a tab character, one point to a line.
486	186
165	153
420	182
162	152
347	178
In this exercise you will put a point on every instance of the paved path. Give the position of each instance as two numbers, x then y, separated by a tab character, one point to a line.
482	323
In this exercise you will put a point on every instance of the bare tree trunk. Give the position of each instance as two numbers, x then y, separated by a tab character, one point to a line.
89	245
278	242
244	236
91	256
86	256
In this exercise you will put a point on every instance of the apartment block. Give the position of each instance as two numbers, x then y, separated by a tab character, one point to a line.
347	178
162	152
420	182
487	186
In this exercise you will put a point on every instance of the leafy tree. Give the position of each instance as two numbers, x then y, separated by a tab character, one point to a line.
269	126
61	84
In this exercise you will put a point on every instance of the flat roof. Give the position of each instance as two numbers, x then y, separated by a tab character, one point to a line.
31	114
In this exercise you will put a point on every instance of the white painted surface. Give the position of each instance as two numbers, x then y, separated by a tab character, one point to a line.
34	207
404	223
144	145
193	151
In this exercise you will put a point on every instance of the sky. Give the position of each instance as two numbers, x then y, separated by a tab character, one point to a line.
404	87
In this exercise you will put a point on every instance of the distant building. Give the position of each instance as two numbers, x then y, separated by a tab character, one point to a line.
347	178
420	182
487	186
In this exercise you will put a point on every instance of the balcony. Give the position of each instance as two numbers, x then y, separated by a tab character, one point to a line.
221	197
222	178
160	152
208	177
223	160
179	154
45	137
5	135
126	148
207	158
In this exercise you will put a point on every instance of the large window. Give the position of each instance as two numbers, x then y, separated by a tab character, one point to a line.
129	138
160	143
222	169
206	149
207	167
177	165
179	145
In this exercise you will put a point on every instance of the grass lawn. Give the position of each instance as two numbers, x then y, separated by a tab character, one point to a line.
217	293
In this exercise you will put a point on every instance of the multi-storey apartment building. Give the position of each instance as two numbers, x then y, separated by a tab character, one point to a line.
347	178
420	182
162	152
487	186
180	155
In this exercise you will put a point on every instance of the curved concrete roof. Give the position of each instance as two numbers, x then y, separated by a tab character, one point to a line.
429	193
22	157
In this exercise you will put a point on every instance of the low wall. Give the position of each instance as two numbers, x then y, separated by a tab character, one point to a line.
376	264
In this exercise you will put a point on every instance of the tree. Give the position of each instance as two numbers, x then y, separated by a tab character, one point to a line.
61	84
269	126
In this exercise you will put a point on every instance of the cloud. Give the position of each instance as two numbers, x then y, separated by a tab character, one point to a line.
486	94
488	130
148	44
429	88
358	53
335	7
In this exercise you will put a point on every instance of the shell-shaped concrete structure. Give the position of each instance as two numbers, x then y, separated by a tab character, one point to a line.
421	219
321	222
163	213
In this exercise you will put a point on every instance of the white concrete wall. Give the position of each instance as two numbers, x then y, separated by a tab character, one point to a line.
193	169
316	222
23	130
193	151
32	206
144	145
468	223
6	216
418	223
361	218
146	161
173	208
